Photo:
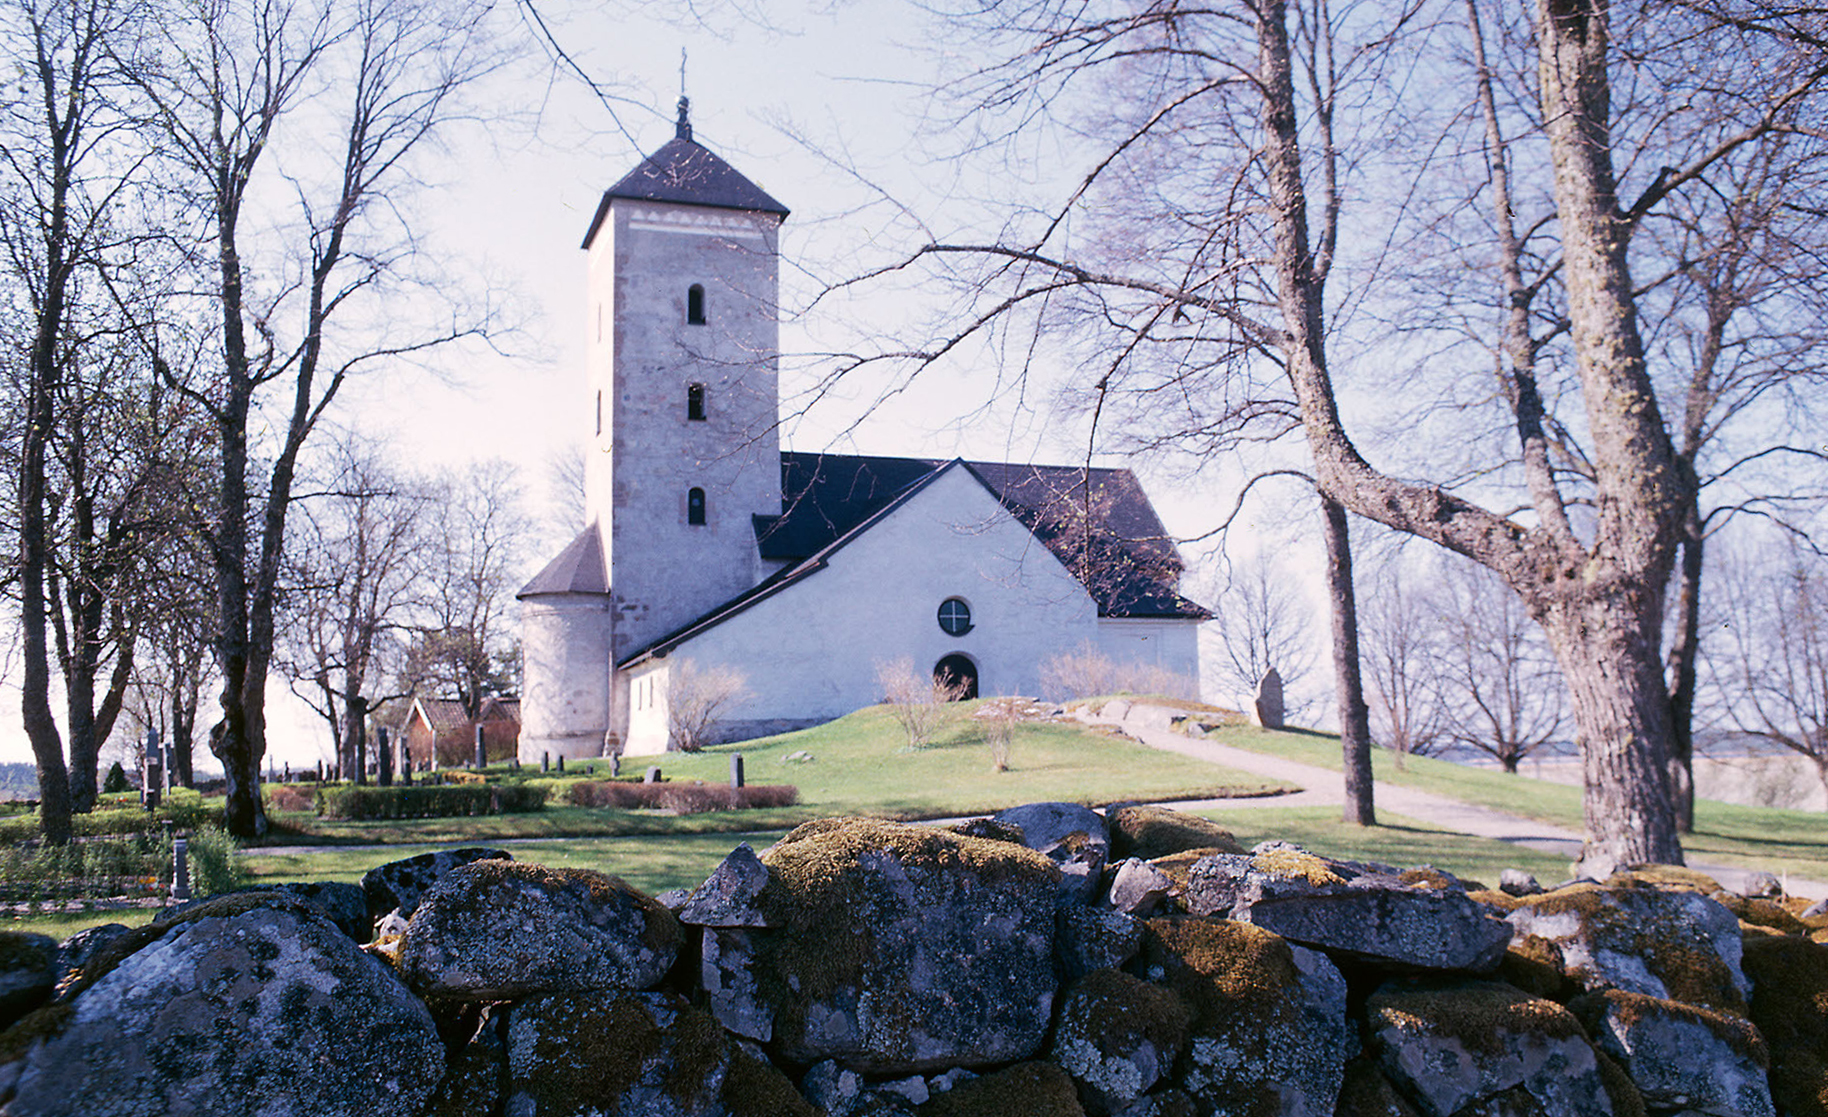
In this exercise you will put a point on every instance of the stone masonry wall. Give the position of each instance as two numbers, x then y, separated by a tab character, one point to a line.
1053	960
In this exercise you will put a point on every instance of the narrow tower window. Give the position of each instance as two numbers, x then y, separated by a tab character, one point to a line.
599	412
695	507
695	402
695	304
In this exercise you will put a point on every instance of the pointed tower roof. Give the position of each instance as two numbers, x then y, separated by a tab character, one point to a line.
579	568
684	171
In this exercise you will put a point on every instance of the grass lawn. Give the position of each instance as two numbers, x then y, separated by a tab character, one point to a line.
1779	841
859	764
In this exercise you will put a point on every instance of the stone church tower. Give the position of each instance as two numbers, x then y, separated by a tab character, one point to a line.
684	448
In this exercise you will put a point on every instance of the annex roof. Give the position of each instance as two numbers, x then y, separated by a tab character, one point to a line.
579	568
686	172
440	715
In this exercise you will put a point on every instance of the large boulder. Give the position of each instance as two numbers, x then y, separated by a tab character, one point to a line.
1453	1046
1072	836
619	1052
903	949
1145	832
344	903
1269	1031
1682	1056
30	966
1414	919
1790	1008
1673	944
255	1004
1118	1036
397	886
496	930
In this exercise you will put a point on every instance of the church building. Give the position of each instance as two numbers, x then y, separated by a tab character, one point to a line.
802	573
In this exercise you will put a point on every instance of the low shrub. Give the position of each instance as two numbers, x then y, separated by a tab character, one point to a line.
183	808
419	801
119	865
684	798
290	797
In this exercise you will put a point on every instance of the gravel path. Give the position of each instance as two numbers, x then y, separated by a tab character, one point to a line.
1324	787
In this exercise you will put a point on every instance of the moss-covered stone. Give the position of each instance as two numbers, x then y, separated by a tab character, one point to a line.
898	949
496	930
1756	915
1534	964
1627	1099
1269	1033
1681	1055
1670	942
1451	1044
1149	832
1676	878
1117	1035
1790	1008
1367	1093
1028	1089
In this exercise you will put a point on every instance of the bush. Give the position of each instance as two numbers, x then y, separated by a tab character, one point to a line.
918	700
697	698
132	865
446	801
116	781
290	797
1089	673
685	798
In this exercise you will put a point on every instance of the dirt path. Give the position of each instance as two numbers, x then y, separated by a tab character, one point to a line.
1324	787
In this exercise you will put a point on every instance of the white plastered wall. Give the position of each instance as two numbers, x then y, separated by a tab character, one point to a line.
565	657
812	650
1171	645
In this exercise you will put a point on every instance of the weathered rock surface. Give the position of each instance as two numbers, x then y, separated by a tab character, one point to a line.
1790	1008
1072	836
1366	1092
345	904
1094	938
1417	919
398	885
1139	888
1453	1046
619	1052
726	974
730	896
30	966
261	1008
905	948
1118	1036
1145	832
495	930
1674	944
1030	1089
1269	1032
1682	1056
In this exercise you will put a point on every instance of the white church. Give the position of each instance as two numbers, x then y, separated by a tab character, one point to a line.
709	544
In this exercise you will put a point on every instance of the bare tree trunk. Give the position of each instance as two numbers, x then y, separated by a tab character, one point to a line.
1683	656
1354	714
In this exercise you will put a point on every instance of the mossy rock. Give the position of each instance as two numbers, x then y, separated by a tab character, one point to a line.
1757	915
29	970
1367	1093
1669	878
496	930
1661	942
1148	832
1118	1035
1450	1044
899	949
1026	1089
1790	1007
1682	1056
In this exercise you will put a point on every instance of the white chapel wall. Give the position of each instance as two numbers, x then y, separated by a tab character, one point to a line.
565	653
811	651
1171	645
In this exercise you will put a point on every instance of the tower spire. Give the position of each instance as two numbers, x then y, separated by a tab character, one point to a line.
683	130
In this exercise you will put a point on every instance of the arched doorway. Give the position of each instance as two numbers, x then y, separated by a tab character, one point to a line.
957	670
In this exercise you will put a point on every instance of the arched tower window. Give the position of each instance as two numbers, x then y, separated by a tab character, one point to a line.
695	304
695	507
695	402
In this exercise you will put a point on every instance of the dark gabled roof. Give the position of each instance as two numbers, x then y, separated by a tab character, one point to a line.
579	568
688	173
1098	523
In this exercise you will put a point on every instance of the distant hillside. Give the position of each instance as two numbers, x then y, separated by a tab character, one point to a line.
18	781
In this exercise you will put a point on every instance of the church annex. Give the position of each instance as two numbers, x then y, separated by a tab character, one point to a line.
804	572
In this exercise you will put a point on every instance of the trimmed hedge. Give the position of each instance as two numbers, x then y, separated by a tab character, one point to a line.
438	801
685	798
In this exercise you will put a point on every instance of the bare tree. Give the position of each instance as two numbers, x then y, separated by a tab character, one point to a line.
1260	620
1773	672
1229	125
698	699
1500	691
376	83
1398	633
354	573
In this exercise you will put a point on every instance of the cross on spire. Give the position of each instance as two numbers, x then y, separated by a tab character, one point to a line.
683	129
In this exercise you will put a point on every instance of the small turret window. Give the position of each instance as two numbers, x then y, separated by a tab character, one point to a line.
954	616
695	507
695	304
695	402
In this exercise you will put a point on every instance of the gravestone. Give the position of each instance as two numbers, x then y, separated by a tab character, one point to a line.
736	770
482	751
384	757
1267	711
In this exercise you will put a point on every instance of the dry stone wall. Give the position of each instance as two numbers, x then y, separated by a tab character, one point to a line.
1051	961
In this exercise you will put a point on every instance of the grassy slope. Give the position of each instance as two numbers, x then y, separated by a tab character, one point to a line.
1793	842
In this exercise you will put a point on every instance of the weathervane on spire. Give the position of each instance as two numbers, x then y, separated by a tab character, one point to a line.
684	128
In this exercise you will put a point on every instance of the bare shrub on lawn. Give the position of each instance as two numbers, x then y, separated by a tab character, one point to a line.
1000	719
697	698
916	698
1086	672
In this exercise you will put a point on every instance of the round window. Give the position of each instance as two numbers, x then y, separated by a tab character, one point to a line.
954	616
